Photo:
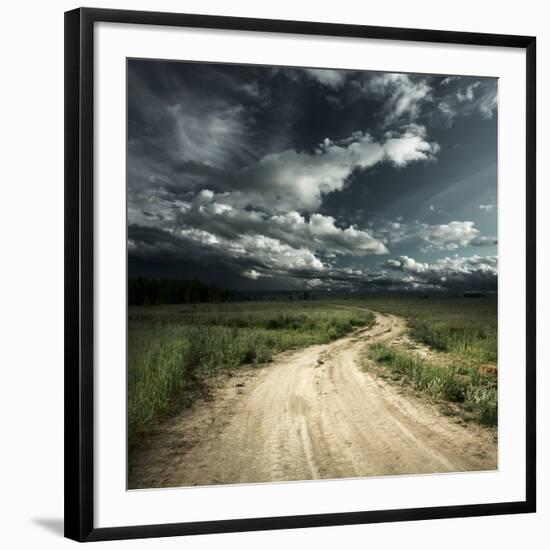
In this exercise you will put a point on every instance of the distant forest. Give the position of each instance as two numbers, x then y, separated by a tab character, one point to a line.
148	292
143	291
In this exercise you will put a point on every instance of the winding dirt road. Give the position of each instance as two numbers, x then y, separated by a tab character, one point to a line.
312	414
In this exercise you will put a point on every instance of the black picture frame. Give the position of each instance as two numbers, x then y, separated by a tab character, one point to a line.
79	264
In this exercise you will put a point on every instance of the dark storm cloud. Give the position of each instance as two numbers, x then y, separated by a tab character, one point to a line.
287	178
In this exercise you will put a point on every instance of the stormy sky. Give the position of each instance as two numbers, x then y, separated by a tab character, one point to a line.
268	178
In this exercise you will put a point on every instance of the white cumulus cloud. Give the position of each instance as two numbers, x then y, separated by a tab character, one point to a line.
297	180
479	272
410	146
467	93
448	236
328	77
405	96
319	233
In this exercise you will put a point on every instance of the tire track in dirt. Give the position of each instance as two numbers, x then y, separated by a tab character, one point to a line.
312	414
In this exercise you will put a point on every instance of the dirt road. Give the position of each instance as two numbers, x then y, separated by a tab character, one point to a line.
312	414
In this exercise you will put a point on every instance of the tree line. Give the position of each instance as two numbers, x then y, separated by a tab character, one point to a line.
146	292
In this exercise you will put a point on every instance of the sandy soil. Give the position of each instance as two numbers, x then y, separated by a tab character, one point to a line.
312	414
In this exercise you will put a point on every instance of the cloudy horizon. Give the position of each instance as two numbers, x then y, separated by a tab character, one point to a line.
266	178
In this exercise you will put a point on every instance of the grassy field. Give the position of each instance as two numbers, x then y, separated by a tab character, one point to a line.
173	348
464	332
463	327
465	385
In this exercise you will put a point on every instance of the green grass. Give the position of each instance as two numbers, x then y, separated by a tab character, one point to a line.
466	328
173	349
477	394
478	344
464	331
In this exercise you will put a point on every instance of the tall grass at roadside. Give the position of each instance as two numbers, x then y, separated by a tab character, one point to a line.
171	351
478	344
463	385
463	327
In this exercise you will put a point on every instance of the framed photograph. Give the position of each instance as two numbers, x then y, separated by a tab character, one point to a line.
300	274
